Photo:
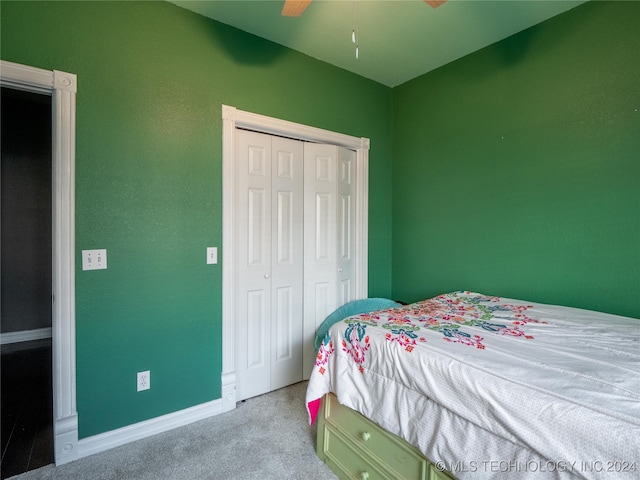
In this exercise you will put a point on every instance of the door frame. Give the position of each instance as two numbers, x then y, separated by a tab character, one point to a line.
233	118
62	88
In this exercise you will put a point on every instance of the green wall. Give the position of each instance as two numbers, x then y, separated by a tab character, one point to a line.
517	168
515	172
151	81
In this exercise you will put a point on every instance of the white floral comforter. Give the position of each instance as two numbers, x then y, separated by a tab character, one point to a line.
488	387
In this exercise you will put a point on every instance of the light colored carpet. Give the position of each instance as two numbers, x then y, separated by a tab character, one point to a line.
266	437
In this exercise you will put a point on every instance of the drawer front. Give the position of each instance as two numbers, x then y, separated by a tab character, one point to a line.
346	462
435	474
394	452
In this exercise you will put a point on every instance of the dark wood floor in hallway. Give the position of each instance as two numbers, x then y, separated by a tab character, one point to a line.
26	408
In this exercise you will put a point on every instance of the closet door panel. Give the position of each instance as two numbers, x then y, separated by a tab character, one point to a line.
346	224
253	263
257	216
320	246
256	325
287	262
283	325
285	228
323	246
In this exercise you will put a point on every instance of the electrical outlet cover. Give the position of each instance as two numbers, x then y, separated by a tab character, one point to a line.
144	380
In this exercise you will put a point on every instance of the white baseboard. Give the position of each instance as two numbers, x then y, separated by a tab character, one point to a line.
115	438
228	391
25	335
65	431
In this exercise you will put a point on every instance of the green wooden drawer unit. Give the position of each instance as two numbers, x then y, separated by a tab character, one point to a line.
356	448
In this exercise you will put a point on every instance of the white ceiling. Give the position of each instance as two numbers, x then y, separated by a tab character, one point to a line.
398	40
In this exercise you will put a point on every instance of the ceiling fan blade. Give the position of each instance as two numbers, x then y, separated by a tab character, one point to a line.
294	8
435	3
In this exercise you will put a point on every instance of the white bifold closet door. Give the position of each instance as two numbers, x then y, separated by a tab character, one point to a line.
328	233
294	263
270	263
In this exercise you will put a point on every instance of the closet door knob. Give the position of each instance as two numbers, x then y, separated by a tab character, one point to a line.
365	436
266	275
364	475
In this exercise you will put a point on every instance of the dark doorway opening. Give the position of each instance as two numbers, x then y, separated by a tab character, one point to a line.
25	264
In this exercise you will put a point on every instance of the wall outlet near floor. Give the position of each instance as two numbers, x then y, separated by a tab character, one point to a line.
144	380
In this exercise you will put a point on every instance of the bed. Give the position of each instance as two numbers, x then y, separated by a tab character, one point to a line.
482	387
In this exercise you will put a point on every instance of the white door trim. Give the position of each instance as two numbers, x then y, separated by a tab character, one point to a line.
62	87
233	118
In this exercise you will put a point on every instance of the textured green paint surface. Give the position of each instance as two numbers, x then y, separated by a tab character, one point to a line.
517	168
515	172
151	81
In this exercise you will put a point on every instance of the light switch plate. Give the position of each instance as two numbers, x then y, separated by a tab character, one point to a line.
94	259
212	255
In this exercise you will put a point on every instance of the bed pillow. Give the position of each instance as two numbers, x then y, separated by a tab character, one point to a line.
348	309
